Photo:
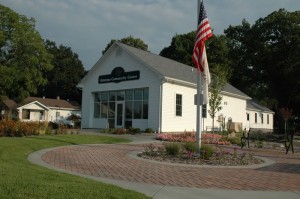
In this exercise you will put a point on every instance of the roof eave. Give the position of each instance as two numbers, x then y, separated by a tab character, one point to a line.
235	95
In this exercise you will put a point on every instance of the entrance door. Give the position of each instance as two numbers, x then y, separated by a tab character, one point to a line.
119	115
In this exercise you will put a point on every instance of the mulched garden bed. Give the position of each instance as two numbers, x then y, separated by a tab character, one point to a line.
222	158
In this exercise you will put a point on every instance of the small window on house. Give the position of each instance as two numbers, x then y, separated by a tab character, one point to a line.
57	114
178	105
255	118
262	118
268	119
25	114
248	116
225	103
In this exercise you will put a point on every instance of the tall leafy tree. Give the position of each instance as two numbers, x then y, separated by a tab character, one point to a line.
130	41
181	49
23	56
265	59
67	72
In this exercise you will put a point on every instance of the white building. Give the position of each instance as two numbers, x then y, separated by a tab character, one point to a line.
129	87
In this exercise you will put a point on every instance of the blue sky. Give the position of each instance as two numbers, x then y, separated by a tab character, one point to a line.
87	26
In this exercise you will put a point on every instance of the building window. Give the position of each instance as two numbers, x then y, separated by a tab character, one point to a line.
26	114
225	103
204	111
248	116
268	120
96	106
178	105
255	118
262	118
136	104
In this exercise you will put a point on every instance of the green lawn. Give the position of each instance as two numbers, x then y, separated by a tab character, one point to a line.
21	179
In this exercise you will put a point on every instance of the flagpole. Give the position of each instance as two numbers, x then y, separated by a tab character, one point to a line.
199	94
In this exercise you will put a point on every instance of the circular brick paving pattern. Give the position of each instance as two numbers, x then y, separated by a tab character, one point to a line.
113	162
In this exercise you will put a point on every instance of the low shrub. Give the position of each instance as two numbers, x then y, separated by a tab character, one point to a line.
172	148
134	130
148	130
207	138
11	128
206	152
189	147
235	140
62	129
120	131
150	149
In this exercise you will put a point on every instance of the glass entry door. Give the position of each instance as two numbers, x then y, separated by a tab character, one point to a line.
119	115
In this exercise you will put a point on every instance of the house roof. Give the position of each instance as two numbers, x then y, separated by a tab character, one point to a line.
175	70
255	106
9	103
167	68
54	103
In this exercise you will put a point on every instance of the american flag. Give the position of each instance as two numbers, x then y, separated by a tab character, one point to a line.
199	53
203	33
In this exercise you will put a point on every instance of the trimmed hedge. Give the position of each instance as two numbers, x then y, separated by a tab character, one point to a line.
11	128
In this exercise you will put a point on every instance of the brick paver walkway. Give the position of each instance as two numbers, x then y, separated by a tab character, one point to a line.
113	162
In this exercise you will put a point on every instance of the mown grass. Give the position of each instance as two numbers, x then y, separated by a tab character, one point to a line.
21	179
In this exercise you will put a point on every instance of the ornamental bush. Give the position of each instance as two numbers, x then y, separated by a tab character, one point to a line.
172	148
206	152
207	138
12	128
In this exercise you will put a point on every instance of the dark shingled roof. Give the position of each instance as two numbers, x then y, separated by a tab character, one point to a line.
253	105
173	69
9	103
50	102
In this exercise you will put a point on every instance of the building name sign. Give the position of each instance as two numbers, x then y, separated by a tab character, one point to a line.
117	75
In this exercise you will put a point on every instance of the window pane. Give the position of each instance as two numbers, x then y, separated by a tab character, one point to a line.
104	96
137	109
129	95
120	95
178	110
104	110
145	110
111	110
138	94
26	114
96	110
178	105
111	123
112	96
96	97
146	94
178	99
128	124
128	110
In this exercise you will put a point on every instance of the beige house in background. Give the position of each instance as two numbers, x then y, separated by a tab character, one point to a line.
39	109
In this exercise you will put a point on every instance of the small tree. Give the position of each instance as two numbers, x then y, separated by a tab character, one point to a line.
285	114
219	80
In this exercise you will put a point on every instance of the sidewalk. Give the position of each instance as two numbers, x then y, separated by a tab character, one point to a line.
116	164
